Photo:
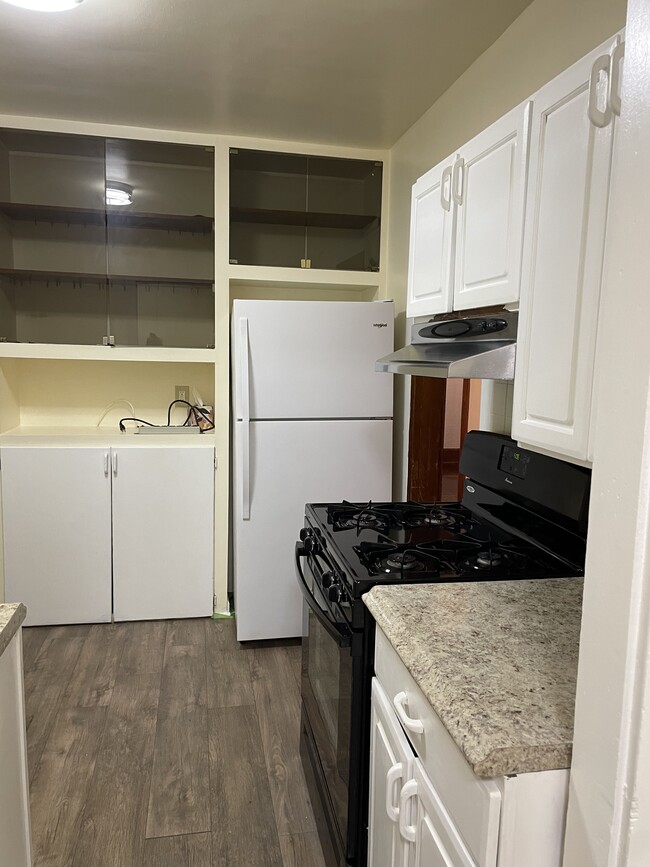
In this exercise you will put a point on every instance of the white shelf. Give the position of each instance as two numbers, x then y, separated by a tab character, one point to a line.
255	275
107	353
75	437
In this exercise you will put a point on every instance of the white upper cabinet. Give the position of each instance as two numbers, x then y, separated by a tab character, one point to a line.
570	160
467	222
489	191
433	219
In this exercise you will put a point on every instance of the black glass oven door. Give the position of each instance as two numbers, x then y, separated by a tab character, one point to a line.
327	691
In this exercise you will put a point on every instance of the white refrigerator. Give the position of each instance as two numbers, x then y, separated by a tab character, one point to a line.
312	423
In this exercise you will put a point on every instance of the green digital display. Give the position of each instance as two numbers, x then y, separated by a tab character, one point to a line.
513	462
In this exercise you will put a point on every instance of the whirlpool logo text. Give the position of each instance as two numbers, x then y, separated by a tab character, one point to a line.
380	324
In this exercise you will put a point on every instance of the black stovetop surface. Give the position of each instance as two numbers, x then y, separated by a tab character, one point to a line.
378	543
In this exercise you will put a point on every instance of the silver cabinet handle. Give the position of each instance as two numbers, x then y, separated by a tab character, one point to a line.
615	78
106	463
114	463
445	200
599	117
458	181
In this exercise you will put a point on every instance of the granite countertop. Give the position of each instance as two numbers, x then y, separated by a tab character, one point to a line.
11	618
496	660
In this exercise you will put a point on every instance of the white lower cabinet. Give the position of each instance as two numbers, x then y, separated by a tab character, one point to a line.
90	531
163	526
56	517
390	769
426	806
15	833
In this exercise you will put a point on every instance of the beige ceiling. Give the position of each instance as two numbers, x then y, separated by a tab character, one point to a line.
348	72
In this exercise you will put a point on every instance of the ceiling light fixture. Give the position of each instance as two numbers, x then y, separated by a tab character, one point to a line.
45	5
118	193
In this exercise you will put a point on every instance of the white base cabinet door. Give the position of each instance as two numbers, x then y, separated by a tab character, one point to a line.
489	190
434	839
391	758
570	161
15	833
163	530
56	505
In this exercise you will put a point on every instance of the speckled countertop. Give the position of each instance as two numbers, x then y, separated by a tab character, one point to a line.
11	618
497	662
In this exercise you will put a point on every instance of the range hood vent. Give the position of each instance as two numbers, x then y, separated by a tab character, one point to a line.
479	347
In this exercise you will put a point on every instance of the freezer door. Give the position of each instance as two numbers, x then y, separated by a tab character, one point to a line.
311	359
290	464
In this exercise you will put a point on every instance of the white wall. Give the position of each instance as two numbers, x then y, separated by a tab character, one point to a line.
547	37
74	393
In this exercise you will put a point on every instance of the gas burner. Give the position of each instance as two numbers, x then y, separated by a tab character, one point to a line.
439	519
488	559
390	559
402	560
362	521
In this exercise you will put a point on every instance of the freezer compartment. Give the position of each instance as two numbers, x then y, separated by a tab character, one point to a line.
311	359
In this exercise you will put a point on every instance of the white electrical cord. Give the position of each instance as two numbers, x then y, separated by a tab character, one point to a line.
116	403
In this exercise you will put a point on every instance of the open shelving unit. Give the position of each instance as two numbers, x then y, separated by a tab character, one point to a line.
276	217
195	224
80	277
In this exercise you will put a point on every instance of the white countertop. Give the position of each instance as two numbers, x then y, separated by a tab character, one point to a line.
108	436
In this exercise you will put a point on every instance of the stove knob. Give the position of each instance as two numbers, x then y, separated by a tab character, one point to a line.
327	580
312	545
334	593
306	531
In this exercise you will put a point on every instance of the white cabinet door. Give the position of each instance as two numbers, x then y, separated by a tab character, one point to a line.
390	768
433	219
489	188
57	533
15	831
163	532
570	160
436	841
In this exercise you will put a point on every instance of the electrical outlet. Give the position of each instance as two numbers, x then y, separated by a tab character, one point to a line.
182	392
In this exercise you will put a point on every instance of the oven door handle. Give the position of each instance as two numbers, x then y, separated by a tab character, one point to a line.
343	639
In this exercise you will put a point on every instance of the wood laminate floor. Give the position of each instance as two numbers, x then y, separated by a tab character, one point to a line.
165	744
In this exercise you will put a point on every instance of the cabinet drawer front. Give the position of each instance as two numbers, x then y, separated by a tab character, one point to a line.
473	804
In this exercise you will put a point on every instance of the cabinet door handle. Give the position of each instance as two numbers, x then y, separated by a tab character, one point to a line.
106	463
409	791
114	463
394	774
615	78
599	117
445	200
458	181
413	725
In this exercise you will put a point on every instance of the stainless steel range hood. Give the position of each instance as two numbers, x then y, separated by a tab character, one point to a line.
477	347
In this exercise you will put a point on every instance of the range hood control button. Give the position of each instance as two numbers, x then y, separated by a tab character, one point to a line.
453	328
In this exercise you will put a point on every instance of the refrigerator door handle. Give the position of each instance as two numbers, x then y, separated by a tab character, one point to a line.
245	471
244	410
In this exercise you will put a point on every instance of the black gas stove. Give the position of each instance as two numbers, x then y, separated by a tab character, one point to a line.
522	516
